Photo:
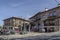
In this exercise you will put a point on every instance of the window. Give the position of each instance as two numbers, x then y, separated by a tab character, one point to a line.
19	22
10	27
53	13
13	20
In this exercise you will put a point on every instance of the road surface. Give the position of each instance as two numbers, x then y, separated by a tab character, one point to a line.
33	36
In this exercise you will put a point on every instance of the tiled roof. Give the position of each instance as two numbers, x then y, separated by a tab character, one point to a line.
44	12
16	18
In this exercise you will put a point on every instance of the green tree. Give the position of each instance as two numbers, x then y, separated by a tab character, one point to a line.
0	26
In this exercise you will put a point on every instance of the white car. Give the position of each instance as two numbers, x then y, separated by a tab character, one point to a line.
6	32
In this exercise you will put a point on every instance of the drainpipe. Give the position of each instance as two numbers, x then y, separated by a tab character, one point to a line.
21	28
58	25
29	27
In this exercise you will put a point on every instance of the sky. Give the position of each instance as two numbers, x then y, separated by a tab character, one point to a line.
23	8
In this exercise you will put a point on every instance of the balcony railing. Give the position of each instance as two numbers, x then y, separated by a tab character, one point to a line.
51	26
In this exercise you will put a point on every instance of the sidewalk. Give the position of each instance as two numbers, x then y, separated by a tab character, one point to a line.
20	36
28	35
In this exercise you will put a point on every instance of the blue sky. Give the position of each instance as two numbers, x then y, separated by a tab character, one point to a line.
24	8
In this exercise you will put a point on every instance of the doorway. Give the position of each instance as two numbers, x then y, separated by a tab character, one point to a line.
45	29
51	29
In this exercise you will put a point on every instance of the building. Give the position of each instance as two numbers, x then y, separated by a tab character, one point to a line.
15	23
48	20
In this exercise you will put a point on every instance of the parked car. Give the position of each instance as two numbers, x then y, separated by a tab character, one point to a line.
8	32
23	32
12	32
5	32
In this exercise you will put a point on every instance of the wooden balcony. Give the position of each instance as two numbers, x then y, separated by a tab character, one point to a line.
37	19
51	28
53	17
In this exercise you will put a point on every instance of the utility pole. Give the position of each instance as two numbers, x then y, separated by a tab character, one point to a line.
57	2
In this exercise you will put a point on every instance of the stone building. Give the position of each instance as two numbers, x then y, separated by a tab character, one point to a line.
47	21
15	23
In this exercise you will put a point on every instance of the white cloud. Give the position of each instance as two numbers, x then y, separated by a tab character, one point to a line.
14	4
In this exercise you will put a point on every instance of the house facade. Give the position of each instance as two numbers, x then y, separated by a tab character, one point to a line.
15	23
47	21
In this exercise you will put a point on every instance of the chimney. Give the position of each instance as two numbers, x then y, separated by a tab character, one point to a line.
46	9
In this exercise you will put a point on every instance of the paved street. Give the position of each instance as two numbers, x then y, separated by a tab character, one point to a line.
32	36
36	38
